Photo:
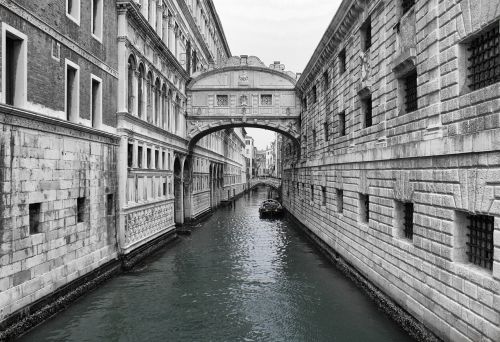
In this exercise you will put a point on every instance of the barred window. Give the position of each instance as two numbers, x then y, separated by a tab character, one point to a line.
484	59
266	100
406	5
410	90
222	101
480	240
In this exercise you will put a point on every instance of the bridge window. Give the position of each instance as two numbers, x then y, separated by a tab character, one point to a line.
342	123
366	106
340	200
266	100
404	219
408	93
366	34
222	101
364	208
34	216
342	62
474	239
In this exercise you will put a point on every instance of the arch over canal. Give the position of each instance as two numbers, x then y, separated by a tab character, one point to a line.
243	93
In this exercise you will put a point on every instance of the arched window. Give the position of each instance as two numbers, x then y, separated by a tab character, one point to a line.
130	87
140	88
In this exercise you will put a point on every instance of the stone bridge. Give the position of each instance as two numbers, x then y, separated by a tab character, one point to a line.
272	182
243	93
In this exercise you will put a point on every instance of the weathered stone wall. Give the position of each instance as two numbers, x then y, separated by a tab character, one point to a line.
52	163
442	157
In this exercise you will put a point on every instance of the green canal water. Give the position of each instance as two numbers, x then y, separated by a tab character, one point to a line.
236	278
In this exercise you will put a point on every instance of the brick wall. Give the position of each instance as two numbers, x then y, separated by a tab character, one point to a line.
442	157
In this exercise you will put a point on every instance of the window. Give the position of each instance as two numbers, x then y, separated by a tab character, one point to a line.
80	209
164	159
408	92
139	157
72	91
366	34
266	100
342	62
14	62
342	123
34	214
325	130
323	195
364	208
314	95
473	239
404	219
157	159
340	200
56	50
73	10
96	101
366	106
484	59
148	158
406	5
130	155
96	21
222	101
312	192
110	204
326	81
164	189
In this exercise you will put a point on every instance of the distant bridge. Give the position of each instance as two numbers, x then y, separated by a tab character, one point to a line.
272	182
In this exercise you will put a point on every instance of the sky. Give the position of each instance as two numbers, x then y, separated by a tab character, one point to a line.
275	30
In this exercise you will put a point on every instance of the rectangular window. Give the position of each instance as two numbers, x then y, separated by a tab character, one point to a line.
325	130
340	200
73	10
366	106
408	92
342	123
96	23
326	81
342	62
366	34
364	208
222	101
34	213
484	59
130	155
480	240
80	209
164	189
56	50
14	79
164	158
266	100
312	192
96	101
323	195
72	91
139	157
157	159
404	219
148	158
406	5
110	204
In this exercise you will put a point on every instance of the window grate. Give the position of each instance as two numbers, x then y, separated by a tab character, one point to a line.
266	100
408	221
411	99
484	60
222	101
480	240
407	4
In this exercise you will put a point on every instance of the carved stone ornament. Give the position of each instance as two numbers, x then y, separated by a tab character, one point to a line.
243	100
243	77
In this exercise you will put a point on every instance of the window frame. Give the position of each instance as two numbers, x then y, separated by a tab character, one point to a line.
100	6
98	122
75	66
77	4
23	96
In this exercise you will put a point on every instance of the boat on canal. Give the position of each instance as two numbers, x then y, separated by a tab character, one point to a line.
270	208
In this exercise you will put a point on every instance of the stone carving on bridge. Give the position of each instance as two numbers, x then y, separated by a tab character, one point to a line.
243	100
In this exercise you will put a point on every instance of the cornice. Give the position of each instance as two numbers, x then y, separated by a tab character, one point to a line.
134	13
144	124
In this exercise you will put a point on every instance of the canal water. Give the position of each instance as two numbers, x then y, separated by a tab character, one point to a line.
236	278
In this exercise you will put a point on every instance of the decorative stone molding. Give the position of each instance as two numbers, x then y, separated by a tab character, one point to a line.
144	223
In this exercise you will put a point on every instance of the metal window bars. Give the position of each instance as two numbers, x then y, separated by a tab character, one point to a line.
480	240
484	59
408	220
411	99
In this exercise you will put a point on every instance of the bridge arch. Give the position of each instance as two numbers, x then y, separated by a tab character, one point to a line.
243	92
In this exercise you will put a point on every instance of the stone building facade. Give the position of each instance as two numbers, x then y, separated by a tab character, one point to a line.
94	157
399	162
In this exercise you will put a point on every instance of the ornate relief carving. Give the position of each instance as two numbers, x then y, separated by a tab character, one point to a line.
142	224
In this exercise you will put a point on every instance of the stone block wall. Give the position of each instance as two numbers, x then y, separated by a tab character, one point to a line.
443	158
69	172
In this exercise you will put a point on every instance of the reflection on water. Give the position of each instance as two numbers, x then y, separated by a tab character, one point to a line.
236	278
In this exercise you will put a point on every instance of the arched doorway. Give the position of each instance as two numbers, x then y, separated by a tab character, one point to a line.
187	196
178	192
